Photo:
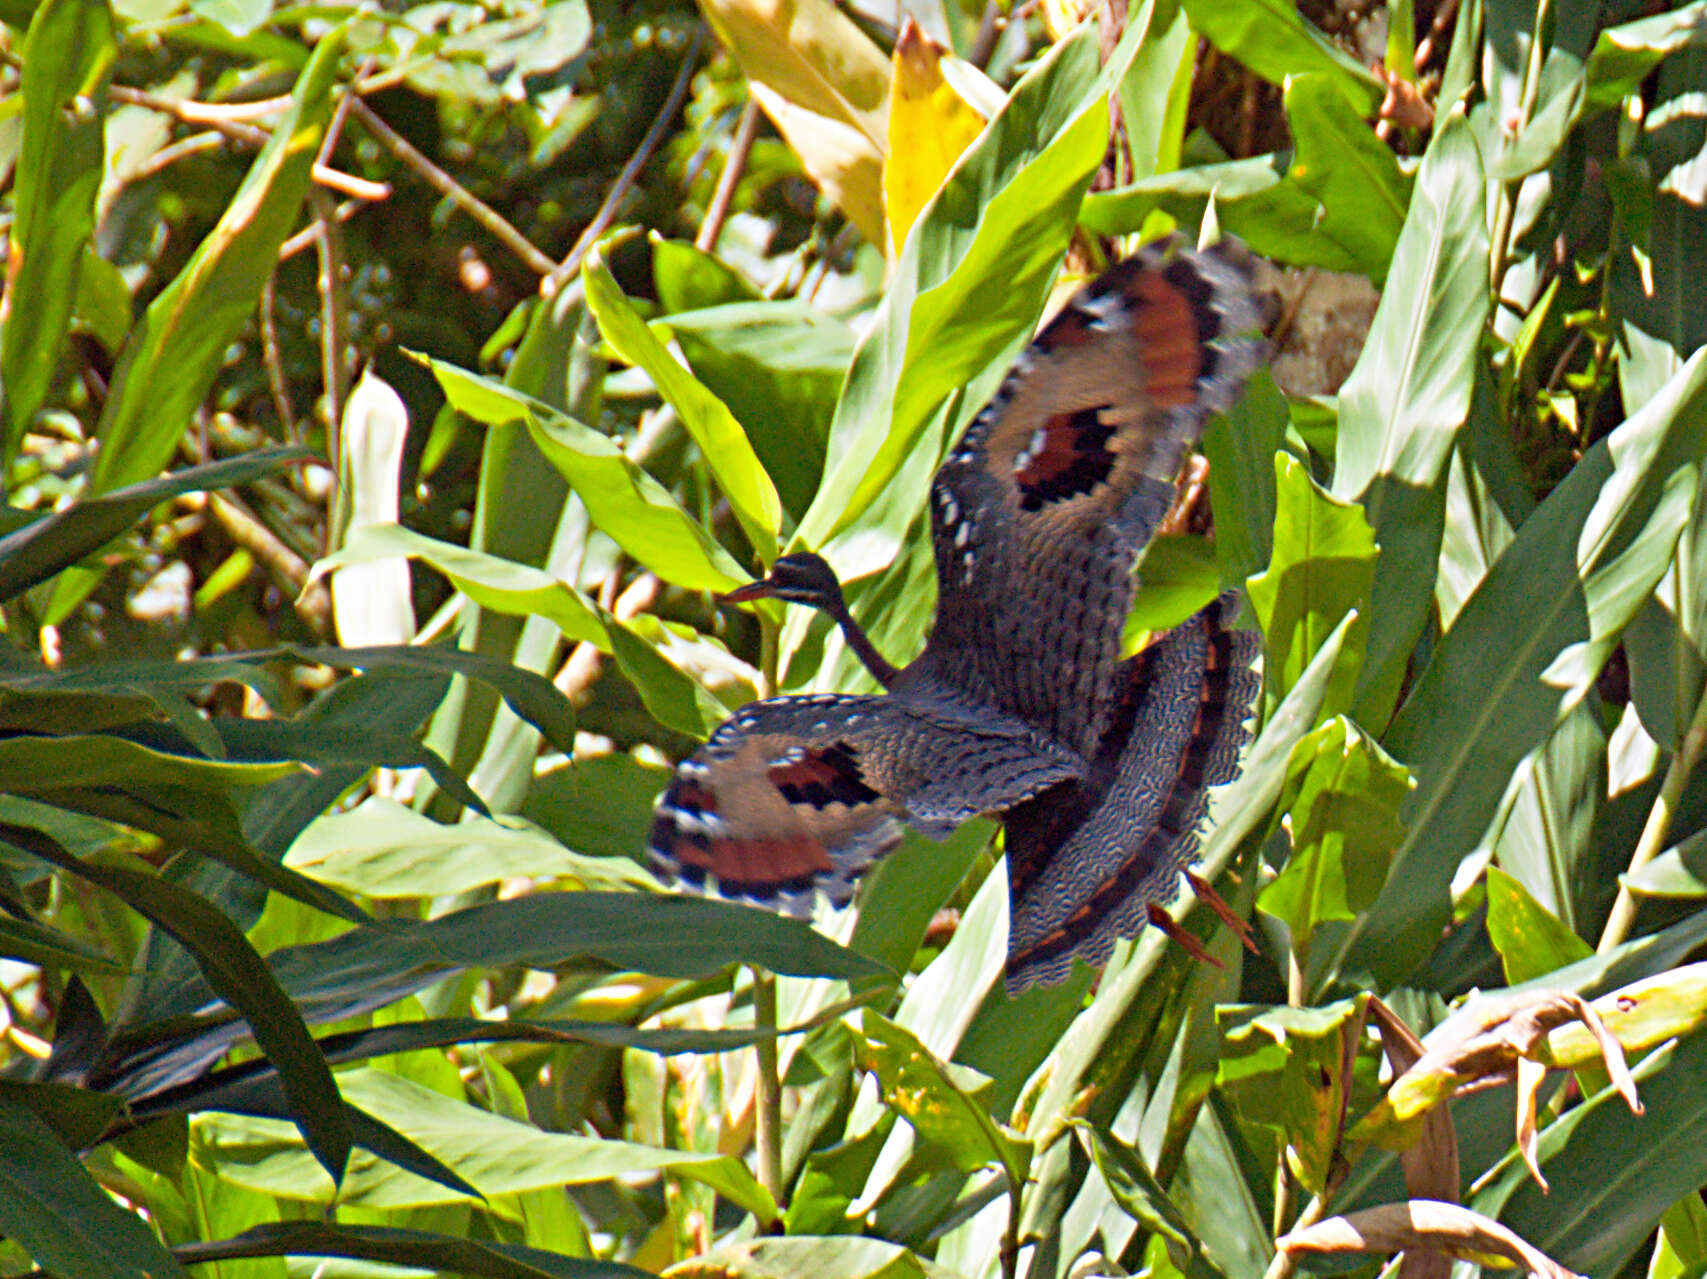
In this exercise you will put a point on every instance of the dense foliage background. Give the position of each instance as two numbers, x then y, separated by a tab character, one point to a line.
330	720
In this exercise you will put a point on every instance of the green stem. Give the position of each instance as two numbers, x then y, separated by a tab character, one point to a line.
768	1091
1658	827
768	1119
1507	211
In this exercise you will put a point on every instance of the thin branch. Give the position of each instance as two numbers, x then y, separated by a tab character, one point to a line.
729	179
333	315
561	273
459	195
1657	829
273	361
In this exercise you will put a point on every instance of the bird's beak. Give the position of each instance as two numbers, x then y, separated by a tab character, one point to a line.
760	590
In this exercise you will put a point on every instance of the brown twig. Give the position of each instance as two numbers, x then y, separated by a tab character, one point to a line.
449	187
715	216
560	274
287	568
332	326
273	361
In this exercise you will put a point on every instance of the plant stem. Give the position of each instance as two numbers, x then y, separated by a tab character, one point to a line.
1507	210
768	1090
1658	827
768	1120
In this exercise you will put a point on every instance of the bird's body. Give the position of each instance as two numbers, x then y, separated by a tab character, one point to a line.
1020	704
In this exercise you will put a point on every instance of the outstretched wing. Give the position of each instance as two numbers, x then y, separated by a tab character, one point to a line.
1085	860
1040	512
797	795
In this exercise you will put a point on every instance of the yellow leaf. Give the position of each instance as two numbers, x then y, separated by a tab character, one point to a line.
930	124
823	84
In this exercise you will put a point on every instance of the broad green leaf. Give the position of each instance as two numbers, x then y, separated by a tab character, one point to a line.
1155	92
809	1257
1255	199
35	552
1667	642
1546	837
35	943
1402	406
601	806
497	584
918	1086
385	849
394	1246
673	697
1526	647
779	367
722	440
1240	447
1283	1067
68	59
970	279
1135	1188
1321	570
623	500
687	278
496	1155
183	800
175	351
1680	871
1352	173
1273	39
59	1214
1531	940
239	975
1344	824
1624	55
1177	576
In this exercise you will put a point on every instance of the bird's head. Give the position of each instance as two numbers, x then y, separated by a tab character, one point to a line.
801	578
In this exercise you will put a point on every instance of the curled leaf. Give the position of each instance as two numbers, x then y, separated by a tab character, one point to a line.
1423	1224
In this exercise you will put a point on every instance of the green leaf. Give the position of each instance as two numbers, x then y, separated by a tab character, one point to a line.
673	697
1352	173
1240	447
181	342
384	849
1680	871
722	441
1344	823
1273	39
68	60
394	1246
1322	569
623	500
779	366
238	974
1141	1196
1525	649
498	584
1529	938
966	288
1402	406
1284	1069
1624	55
32	554
809	1257
496	1155
58	1213
918	1087
1177	576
